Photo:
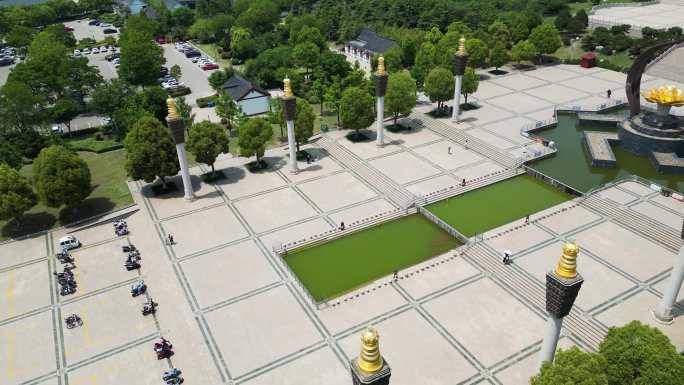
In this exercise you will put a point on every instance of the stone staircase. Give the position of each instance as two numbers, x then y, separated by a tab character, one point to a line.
521	285
395	193
635	221
460	137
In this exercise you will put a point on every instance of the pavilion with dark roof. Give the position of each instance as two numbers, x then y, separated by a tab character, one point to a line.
365	45
253	99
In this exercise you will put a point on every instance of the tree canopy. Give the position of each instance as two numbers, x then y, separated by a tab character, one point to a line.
207	141
401	94
150	151
304	122
16	194
356	109
61	177
254	135
439	86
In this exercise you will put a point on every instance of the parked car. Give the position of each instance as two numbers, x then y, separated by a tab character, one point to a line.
77	52
94	22
163	71
69	242
95	50
192	53
85	51
112	56
210	66
105	25
108	31
6	60
57	129
68	29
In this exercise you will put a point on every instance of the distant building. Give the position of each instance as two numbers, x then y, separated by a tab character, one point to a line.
252	99
365	46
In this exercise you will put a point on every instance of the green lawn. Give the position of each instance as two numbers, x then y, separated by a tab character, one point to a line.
503	202
575	51
91	144
341	265
108	179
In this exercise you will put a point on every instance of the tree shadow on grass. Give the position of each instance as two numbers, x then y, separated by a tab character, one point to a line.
90	207
27	224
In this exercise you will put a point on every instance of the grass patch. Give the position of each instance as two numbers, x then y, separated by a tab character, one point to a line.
498	204
341	265
108	178
89	143
573	53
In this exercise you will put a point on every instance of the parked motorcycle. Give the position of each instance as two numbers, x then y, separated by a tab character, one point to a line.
138	288
170	374
72	321
149	307
67	290
175	381
131	265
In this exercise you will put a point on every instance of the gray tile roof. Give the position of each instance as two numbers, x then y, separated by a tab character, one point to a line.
369	40
238	87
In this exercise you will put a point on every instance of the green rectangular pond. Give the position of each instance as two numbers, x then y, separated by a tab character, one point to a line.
333	268
572	165
503	202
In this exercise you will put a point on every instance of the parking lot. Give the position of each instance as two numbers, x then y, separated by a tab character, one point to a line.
193	76
82	30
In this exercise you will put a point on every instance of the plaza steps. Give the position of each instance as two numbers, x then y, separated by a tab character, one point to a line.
397	194
470	185
521	285
641	224
460	137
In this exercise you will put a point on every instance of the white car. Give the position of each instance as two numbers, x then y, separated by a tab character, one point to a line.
95	50
69	242
85	51
77	52
57	129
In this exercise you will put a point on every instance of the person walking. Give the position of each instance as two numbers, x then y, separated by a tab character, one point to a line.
609	93
463	182
466	144
449	150
527	219
171	242
395	276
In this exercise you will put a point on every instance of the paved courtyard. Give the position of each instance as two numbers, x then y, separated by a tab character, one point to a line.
665	14
236	316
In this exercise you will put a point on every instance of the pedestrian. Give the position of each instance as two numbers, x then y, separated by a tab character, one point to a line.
395	276
308	158
463	183
527	219
507	257
171	242
341	226
609	93
449	150
466	144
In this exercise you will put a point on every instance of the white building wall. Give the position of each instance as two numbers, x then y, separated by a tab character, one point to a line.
255	103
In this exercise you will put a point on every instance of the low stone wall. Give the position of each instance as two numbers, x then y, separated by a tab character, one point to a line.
597	145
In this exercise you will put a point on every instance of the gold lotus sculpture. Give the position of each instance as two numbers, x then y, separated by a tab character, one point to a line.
666	95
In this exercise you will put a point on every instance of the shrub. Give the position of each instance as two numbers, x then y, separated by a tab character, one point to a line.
181	91
204	102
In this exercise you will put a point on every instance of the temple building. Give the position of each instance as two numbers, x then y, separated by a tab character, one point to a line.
364	46
253	99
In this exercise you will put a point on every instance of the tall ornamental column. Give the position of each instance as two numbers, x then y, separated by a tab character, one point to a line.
177	127
460	62
562	286
380	90
370	368
290	111
663	312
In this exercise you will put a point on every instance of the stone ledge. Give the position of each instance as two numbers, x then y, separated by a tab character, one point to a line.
597	144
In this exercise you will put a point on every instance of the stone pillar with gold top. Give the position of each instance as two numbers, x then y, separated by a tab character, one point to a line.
370	367
562	286
380	91
290	111
177	127
663	311
460	62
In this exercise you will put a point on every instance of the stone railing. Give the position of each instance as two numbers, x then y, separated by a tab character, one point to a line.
620	5
443	225
662	55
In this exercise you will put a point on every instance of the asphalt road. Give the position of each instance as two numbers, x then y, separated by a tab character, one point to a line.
4	73
82	30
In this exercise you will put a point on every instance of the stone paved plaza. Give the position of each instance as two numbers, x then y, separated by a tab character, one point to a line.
665	14
236	316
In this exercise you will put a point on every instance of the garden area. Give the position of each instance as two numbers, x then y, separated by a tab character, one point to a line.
339	266
489	207
109	192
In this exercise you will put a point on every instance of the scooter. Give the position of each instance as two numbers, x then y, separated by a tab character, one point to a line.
171	374
67	290
131	265
128	248
72	321
138	288
149	307
175	381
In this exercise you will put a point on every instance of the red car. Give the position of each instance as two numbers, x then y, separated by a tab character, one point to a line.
68	29
210	66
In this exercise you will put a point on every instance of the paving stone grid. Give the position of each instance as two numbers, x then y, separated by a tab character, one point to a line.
235	316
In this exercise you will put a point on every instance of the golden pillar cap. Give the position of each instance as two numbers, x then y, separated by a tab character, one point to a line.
381	66
171	107
370	360
287	88
461	46
567	266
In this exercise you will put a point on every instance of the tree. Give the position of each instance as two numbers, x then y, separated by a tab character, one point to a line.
401	94
562	19
471	81
217	79
477	52
20	36
499	33
439	86
574	367
207	141
498	55
275	115
110	96
582	17
228	110
10	155
318	90
333	97
356	109
185	112
254	134
523	50
175	71
393	59
20	109
16	195
305	55
545	39
304	122
60	177
64	111
425	62
150	151
638	354
141	58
